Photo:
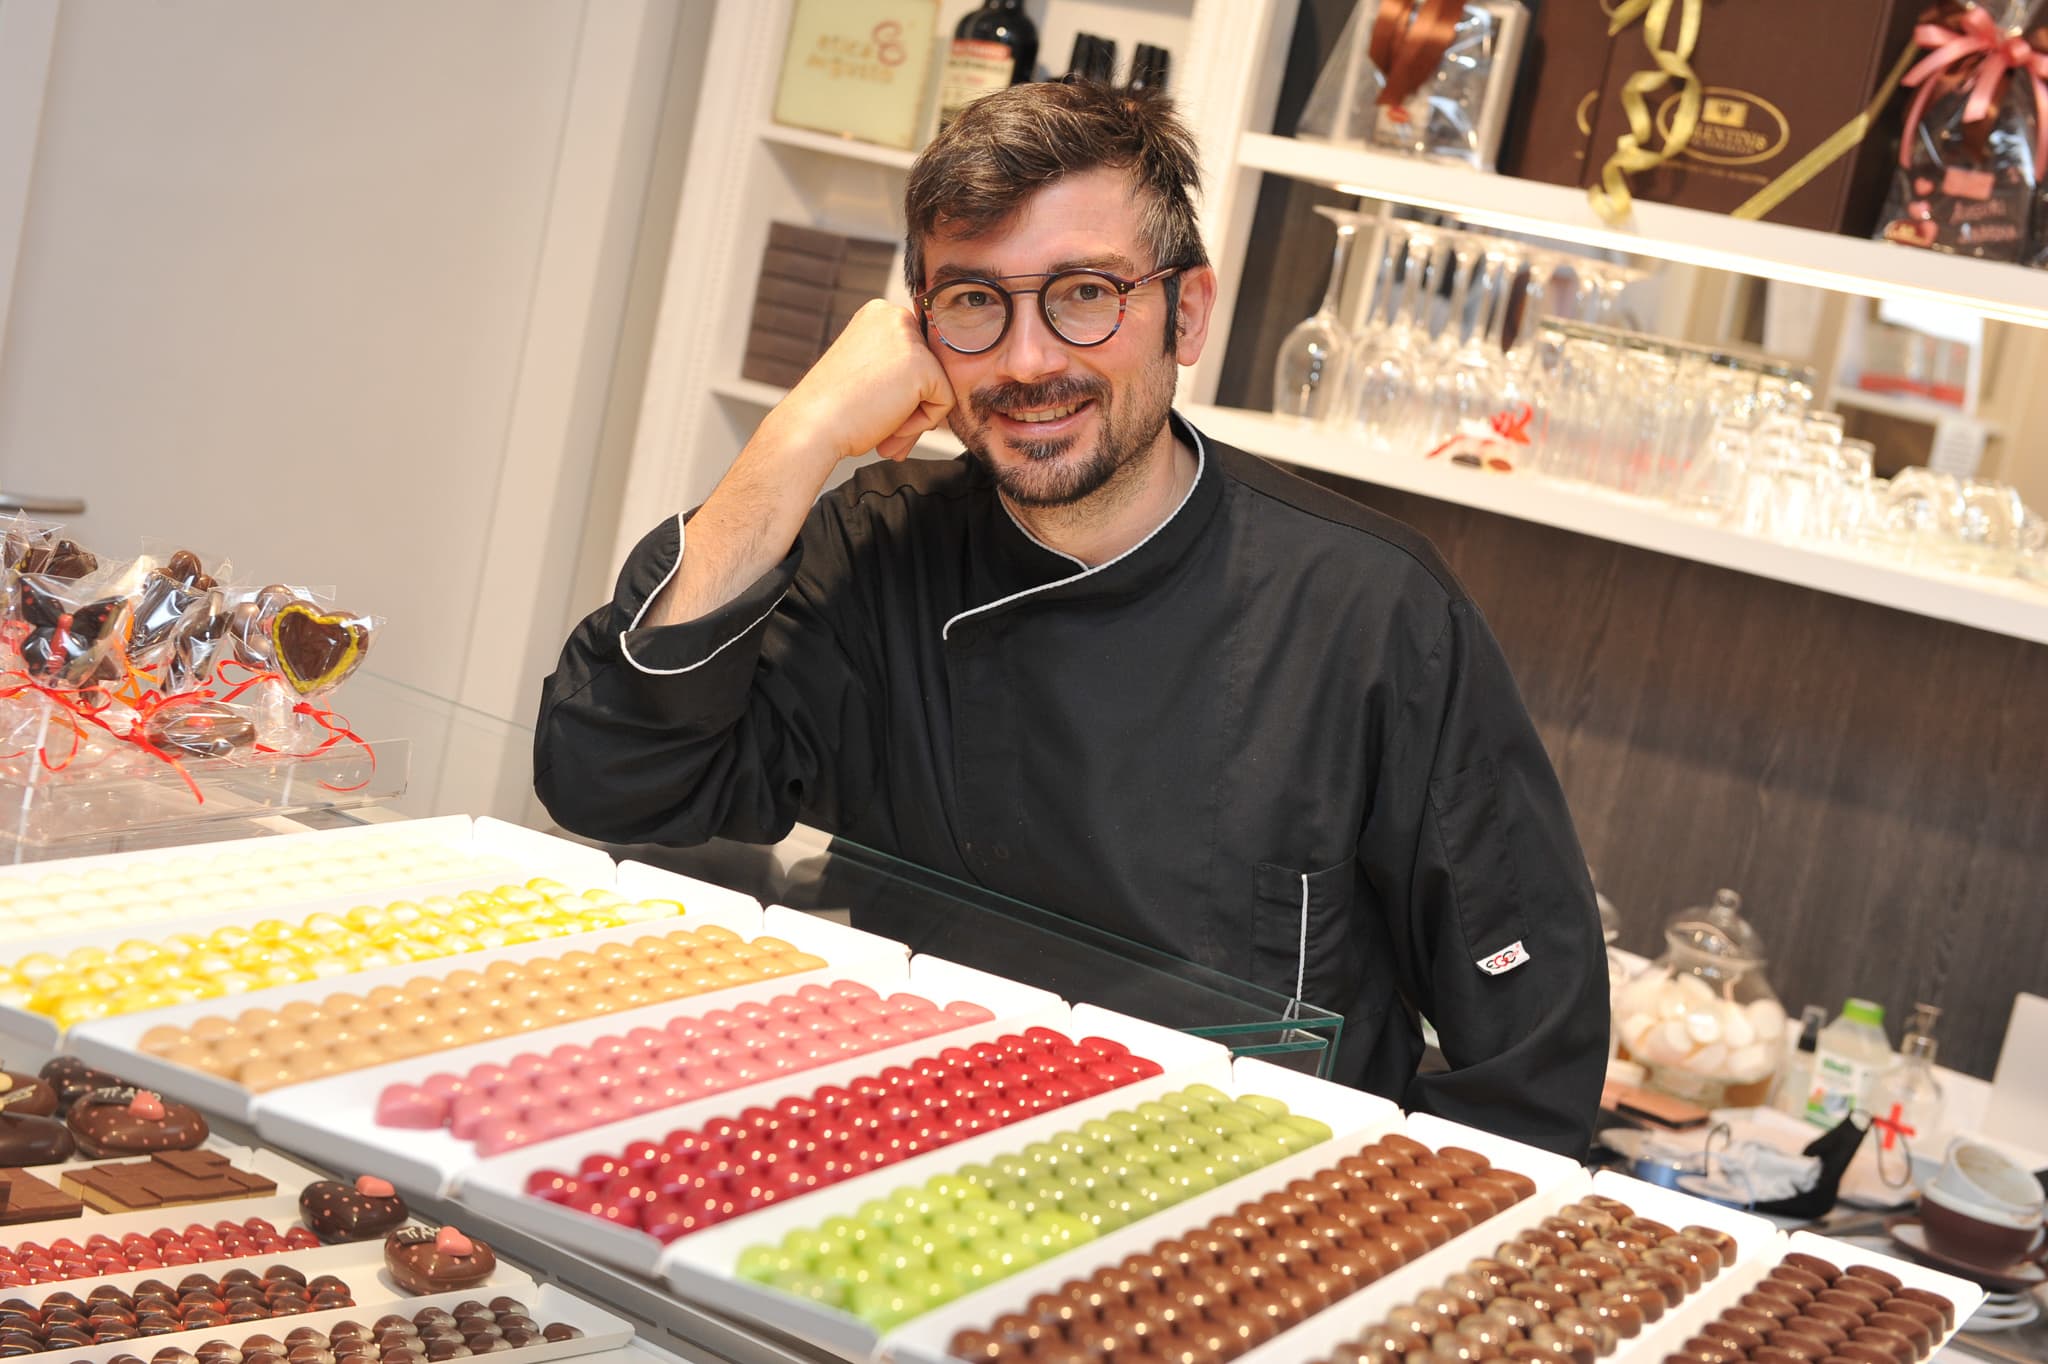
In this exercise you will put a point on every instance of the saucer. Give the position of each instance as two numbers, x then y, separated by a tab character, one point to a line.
2021	1276
2005	1312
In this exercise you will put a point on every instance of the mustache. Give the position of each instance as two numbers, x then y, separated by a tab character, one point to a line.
997	399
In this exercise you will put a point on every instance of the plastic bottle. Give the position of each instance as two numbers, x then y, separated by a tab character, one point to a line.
1851	1053
1795	1080
1906	1100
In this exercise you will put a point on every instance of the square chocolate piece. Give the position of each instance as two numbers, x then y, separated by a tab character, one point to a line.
32	1199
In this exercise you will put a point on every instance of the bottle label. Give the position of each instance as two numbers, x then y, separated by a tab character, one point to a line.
974	67
1839	1085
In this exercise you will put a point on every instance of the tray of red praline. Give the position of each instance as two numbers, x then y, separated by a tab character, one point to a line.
987	1089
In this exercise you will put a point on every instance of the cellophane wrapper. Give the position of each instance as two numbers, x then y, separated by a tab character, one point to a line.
1967	189
1455	115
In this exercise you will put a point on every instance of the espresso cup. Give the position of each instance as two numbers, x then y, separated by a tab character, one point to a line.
1982	1207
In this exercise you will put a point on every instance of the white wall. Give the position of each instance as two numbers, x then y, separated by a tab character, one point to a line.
335	288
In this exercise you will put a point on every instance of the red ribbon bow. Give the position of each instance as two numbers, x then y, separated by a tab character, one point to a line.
72	710
1974	37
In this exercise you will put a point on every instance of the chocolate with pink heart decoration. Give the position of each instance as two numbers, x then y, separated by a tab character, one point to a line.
421	1260
361	1211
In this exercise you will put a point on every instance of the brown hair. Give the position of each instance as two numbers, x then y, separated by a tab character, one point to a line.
1005	147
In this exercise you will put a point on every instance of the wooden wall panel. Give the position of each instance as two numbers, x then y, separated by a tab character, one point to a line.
1874	783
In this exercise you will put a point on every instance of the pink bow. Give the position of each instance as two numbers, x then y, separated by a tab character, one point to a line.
1976	35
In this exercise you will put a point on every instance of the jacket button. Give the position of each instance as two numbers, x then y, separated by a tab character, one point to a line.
1002	852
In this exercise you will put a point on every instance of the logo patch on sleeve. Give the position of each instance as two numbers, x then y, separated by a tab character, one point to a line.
1505	960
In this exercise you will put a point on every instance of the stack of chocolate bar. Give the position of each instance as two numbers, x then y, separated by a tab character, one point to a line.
812	283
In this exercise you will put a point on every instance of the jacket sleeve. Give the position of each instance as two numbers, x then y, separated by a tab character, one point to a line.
733	725
1471	849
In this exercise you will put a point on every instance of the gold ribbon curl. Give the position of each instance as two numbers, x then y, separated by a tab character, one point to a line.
1611	198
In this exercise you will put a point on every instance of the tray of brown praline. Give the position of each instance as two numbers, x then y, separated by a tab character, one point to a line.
1821	1301
564	1325
1233	1276
1583	1282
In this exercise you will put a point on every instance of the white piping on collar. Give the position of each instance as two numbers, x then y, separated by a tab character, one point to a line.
626	650
1201	462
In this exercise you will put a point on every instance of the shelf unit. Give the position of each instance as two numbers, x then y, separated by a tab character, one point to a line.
2005	606
1685	236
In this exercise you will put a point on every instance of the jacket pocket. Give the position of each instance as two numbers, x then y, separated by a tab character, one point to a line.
1479	861
1306	943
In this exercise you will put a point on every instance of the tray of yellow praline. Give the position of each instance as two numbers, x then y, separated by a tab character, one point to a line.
102	980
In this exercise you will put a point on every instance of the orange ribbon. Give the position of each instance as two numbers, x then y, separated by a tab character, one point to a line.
1409	40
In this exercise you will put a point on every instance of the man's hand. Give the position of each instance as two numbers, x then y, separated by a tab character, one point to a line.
878	388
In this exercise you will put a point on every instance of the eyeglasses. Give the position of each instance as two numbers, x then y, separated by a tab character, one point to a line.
1083	307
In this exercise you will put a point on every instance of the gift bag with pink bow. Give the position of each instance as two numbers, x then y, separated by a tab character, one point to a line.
1974	149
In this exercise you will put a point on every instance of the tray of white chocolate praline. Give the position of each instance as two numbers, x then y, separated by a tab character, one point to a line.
123	889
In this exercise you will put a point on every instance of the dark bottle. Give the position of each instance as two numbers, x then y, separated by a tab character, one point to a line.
994	47
1094	59
1148	67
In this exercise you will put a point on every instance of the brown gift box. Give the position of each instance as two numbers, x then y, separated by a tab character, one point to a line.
1779	78
811	282
1564	70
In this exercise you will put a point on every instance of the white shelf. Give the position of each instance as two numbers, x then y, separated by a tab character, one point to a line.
831	145
1797	255
2002	606
940	444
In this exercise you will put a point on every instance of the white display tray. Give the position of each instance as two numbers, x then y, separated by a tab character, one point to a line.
113	1043
335	1120
359	1264
1758	1242
497	1187
923	1340
601	1330
527	852
701	1267
1558	1181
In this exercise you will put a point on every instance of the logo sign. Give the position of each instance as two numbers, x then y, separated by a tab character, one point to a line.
1736	128
1505	960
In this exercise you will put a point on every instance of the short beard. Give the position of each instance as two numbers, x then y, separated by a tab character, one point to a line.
1053	474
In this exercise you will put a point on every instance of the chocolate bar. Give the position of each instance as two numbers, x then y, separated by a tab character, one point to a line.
167	1179
27	1198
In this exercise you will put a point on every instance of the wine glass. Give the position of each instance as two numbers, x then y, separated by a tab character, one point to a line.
1466	383
1307	373
1385	373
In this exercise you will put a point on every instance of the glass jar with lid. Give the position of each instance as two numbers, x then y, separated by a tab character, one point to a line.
1702	1019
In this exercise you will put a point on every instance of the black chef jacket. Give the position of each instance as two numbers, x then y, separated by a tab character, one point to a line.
1274	737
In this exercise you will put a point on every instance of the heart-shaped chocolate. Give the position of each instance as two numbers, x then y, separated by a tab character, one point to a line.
352	1212
316	650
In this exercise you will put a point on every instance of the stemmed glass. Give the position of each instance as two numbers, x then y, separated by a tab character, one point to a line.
1384	374
1609	280
1468	384
1307	373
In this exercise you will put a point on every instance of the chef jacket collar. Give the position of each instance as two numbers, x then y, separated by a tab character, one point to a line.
1044	573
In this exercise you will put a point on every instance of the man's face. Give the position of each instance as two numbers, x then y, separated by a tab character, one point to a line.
1054	422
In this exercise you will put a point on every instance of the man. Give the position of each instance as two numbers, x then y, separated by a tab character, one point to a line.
1102	664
